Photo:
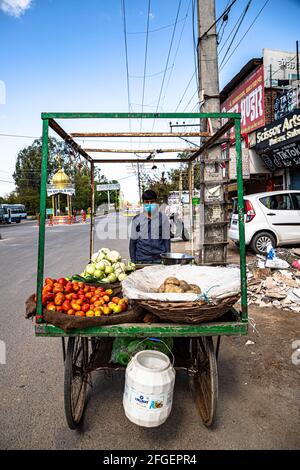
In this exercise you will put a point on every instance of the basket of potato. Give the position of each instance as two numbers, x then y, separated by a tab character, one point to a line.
195	311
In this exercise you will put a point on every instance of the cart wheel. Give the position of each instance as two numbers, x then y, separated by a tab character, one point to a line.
76	380
204	377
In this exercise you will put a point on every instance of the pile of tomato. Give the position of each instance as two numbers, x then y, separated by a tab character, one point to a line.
80	299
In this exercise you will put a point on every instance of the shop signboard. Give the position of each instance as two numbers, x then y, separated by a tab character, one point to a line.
285	102
245	164
279	67
248	99
278	144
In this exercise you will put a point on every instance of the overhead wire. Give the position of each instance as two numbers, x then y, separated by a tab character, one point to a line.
229	35
145	61
277	70
157	29
237	30
253	22
177	49
168	58
126	56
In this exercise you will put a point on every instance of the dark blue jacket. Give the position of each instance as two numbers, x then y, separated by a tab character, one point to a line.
149	237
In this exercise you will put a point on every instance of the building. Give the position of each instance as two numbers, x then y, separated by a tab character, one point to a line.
266	93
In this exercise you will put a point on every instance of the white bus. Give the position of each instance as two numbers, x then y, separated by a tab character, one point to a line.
13	213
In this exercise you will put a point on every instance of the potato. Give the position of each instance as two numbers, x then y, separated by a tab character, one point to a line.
174	289
195	288
184	285
172	280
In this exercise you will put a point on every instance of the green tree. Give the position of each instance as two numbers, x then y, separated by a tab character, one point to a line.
27	173
27	176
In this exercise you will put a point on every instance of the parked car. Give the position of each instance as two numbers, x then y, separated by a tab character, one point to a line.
269	217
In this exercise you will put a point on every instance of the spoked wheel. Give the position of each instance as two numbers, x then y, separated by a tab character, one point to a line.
76	379
204	377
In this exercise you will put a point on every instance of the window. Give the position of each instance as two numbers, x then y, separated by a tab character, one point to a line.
278	202
296	200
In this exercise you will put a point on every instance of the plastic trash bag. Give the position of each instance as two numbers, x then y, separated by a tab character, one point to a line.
125	348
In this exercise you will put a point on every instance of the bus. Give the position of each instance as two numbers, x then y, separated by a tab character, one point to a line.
12	213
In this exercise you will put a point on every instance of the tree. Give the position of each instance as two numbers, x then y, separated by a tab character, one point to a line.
27	173
27	176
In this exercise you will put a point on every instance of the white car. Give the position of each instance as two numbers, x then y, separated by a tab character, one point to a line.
269	217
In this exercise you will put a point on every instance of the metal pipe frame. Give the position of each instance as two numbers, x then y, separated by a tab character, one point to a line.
174	150
139	134
233	120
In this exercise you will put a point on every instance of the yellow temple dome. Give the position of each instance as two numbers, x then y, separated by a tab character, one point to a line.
60	179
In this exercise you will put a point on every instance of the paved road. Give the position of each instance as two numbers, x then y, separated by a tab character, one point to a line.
255	411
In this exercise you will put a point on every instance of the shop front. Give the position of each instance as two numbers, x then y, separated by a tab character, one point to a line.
278	145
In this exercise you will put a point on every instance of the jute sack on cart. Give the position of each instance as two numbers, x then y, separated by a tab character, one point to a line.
68	323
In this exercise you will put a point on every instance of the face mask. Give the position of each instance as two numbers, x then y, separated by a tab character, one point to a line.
150	207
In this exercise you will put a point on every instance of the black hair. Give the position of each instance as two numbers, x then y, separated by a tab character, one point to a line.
149	195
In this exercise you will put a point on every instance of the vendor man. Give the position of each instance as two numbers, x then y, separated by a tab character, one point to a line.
150	232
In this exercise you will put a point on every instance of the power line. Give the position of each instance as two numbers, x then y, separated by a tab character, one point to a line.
196	70
273	73
186	88
225	12
179	42
190	101
20	136
256	17
229	35
126	56
149	75
168	58
237	30
145	62
157	29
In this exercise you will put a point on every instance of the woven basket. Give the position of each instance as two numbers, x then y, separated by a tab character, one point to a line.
188	312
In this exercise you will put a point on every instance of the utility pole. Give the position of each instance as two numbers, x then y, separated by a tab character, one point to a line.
213	208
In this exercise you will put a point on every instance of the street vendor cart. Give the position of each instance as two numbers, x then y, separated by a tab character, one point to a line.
196	345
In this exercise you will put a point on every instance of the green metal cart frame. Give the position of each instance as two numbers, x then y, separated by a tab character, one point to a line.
200	352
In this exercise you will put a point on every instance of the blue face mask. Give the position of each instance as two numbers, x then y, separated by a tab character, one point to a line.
150	207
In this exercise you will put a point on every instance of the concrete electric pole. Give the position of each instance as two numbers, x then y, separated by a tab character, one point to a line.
213	191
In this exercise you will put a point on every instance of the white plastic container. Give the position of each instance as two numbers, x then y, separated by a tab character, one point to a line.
149	386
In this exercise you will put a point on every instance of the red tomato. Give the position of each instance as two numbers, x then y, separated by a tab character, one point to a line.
47	288
58	288
58	300
80	313
51	306
66	305
62	281
75	306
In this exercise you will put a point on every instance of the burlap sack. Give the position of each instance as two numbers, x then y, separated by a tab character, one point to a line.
68	323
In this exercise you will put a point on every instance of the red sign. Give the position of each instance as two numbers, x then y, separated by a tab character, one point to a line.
248	99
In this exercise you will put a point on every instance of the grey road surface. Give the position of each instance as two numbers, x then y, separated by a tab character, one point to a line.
252	413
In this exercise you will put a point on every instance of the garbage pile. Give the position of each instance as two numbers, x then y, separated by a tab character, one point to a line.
274	287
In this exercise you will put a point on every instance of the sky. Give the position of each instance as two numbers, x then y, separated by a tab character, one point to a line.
69	55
